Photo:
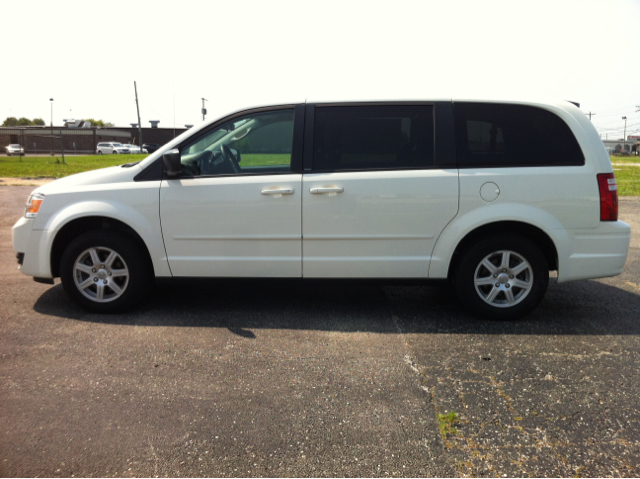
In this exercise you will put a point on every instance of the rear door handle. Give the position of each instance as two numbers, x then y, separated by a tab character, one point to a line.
326	189
278	191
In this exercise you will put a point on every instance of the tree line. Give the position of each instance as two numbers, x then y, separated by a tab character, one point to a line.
13	121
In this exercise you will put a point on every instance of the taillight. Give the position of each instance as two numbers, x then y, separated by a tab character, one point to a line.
608	197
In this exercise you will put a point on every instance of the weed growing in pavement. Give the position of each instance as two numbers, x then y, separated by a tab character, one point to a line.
447	422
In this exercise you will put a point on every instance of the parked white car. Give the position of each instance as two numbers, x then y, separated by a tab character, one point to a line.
490	195
111	148
135	150
14	149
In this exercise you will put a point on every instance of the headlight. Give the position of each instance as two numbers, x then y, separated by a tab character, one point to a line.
33	205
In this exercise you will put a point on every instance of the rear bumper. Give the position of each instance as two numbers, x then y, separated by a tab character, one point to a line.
597	253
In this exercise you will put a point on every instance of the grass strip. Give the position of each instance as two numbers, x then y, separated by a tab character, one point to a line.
52	166
628	179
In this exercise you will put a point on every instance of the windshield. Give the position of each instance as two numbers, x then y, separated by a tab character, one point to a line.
15	146
117	144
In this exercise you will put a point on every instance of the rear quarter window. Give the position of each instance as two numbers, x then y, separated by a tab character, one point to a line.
494	135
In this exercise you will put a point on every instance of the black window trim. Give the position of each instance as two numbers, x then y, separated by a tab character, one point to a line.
444	146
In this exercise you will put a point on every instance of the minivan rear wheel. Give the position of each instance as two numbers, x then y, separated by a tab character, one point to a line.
502	278
105	271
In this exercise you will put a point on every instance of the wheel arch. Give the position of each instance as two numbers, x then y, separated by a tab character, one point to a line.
537	235
79	226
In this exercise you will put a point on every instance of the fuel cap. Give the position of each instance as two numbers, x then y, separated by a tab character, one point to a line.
489	192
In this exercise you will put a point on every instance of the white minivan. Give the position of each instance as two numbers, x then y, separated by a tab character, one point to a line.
490	195
111	148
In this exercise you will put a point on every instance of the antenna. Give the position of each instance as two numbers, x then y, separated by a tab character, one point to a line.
138	110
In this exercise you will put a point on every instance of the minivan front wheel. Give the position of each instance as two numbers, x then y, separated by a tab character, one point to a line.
104	271
502	277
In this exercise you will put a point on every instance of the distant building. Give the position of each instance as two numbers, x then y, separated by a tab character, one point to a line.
632	145
77	137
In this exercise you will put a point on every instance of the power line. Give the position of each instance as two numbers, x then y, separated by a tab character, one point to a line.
612	125
615	110
624	112
629	125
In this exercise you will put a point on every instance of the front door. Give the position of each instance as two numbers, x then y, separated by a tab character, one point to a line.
236	208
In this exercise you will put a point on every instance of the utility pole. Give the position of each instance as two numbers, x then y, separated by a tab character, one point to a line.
589	114
204	111
624	138
62	145
135	87
51	100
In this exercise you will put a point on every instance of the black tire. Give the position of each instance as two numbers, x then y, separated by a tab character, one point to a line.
128	289
99	152
509	293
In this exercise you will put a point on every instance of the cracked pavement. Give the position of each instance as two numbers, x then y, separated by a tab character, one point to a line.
281	378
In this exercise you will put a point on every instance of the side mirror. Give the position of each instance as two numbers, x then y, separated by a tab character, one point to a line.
171	161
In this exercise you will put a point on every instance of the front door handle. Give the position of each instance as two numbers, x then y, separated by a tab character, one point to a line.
278	191
326	189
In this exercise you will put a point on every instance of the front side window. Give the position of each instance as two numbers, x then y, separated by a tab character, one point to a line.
377	137
260	143
495	135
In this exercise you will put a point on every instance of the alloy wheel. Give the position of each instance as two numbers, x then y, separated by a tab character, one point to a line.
503	278
101	274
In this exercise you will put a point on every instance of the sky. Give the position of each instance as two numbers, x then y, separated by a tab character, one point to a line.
238	54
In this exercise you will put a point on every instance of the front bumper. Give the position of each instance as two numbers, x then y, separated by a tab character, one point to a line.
33	246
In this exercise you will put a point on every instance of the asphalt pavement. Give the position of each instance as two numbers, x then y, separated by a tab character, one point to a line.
277	378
